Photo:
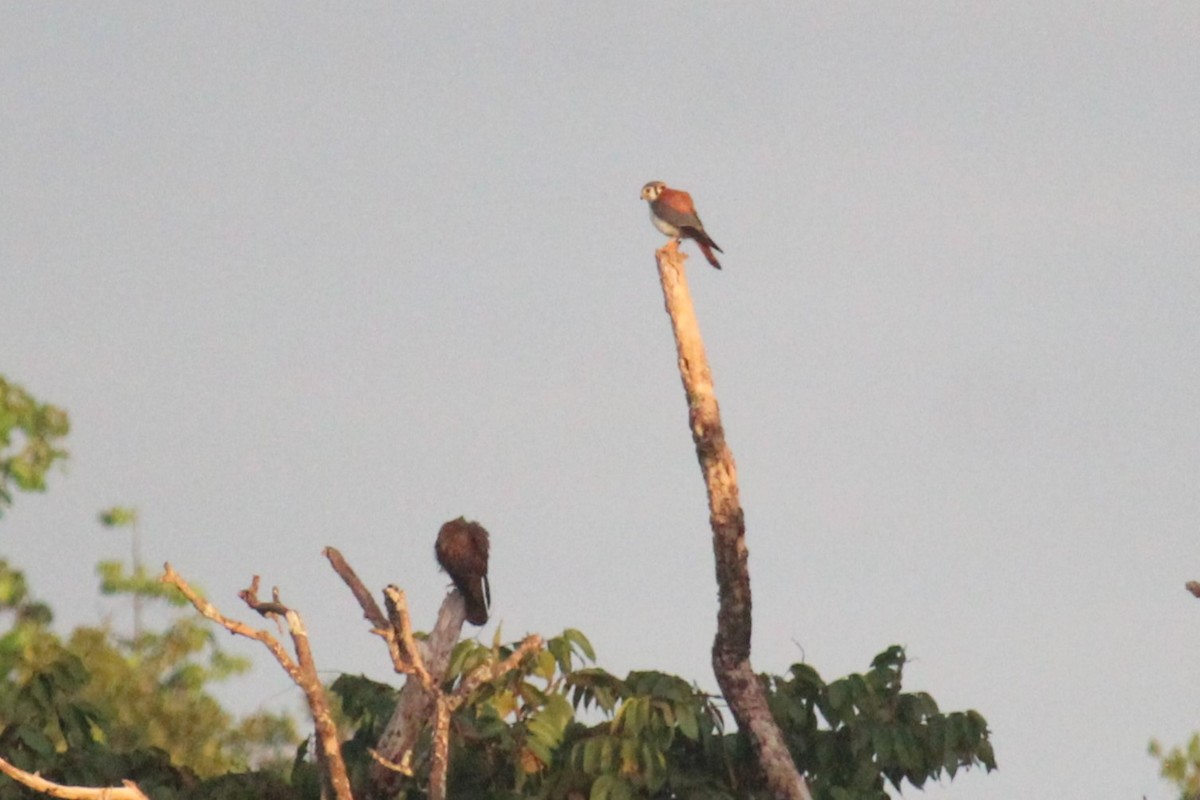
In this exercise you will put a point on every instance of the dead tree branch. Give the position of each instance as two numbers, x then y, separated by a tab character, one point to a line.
406	656
446	704
731	647
425	662
350	577
127	791
422	698
302	671
416	703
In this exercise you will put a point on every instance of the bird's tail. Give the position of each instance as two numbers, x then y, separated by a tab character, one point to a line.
707	246
478	594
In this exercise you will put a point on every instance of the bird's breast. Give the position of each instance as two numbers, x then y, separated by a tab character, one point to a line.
664	227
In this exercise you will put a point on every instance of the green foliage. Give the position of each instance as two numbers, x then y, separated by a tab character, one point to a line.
116	580
518	735
95	709
49	727
1181	766
365	708
29	620
118	517
852	734
665	737
30	434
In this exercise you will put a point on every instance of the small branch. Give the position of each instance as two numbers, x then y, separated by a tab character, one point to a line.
210	611
415	705
264	608
426	663
439	765
329	752
447	704
303	674
410	661
395	628
347	574
486	672
128	791
404	769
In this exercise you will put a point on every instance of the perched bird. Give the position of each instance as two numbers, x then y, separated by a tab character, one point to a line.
673	214
462	550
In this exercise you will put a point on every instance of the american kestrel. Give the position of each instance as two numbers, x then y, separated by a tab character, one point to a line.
462	550
673	214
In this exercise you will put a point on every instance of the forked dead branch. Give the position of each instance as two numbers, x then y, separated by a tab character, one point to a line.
302	671
422	702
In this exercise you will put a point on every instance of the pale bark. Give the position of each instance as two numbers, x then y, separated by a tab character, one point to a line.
731	646
415	704
127	791
303	672
422	697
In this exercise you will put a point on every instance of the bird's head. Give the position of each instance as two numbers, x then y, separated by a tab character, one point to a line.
652	190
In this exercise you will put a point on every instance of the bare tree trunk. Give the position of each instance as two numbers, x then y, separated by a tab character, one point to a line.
414	707
731	647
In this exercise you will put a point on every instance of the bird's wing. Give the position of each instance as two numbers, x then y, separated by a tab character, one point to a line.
676	208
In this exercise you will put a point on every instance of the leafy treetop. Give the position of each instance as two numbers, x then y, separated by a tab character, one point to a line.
30	434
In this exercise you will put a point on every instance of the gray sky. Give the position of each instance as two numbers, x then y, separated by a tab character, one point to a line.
304	276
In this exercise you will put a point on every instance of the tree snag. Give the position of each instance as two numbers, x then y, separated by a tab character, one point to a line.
335	783
731	646
462	550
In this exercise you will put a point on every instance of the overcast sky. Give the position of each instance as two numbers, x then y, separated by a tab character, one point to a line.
308	276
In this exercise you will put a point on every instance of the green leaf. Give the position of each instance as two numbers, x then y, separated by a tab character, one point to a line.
689	726
13	589
892	657
976	724
629	757
118	517
957	736
883	742
546	663
654	767
549	723
806	679
592	751
26	458
581	642
633	714
840	702
621	790
950	762
540	749
608	753
986	756
35	740
908	753
602	787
